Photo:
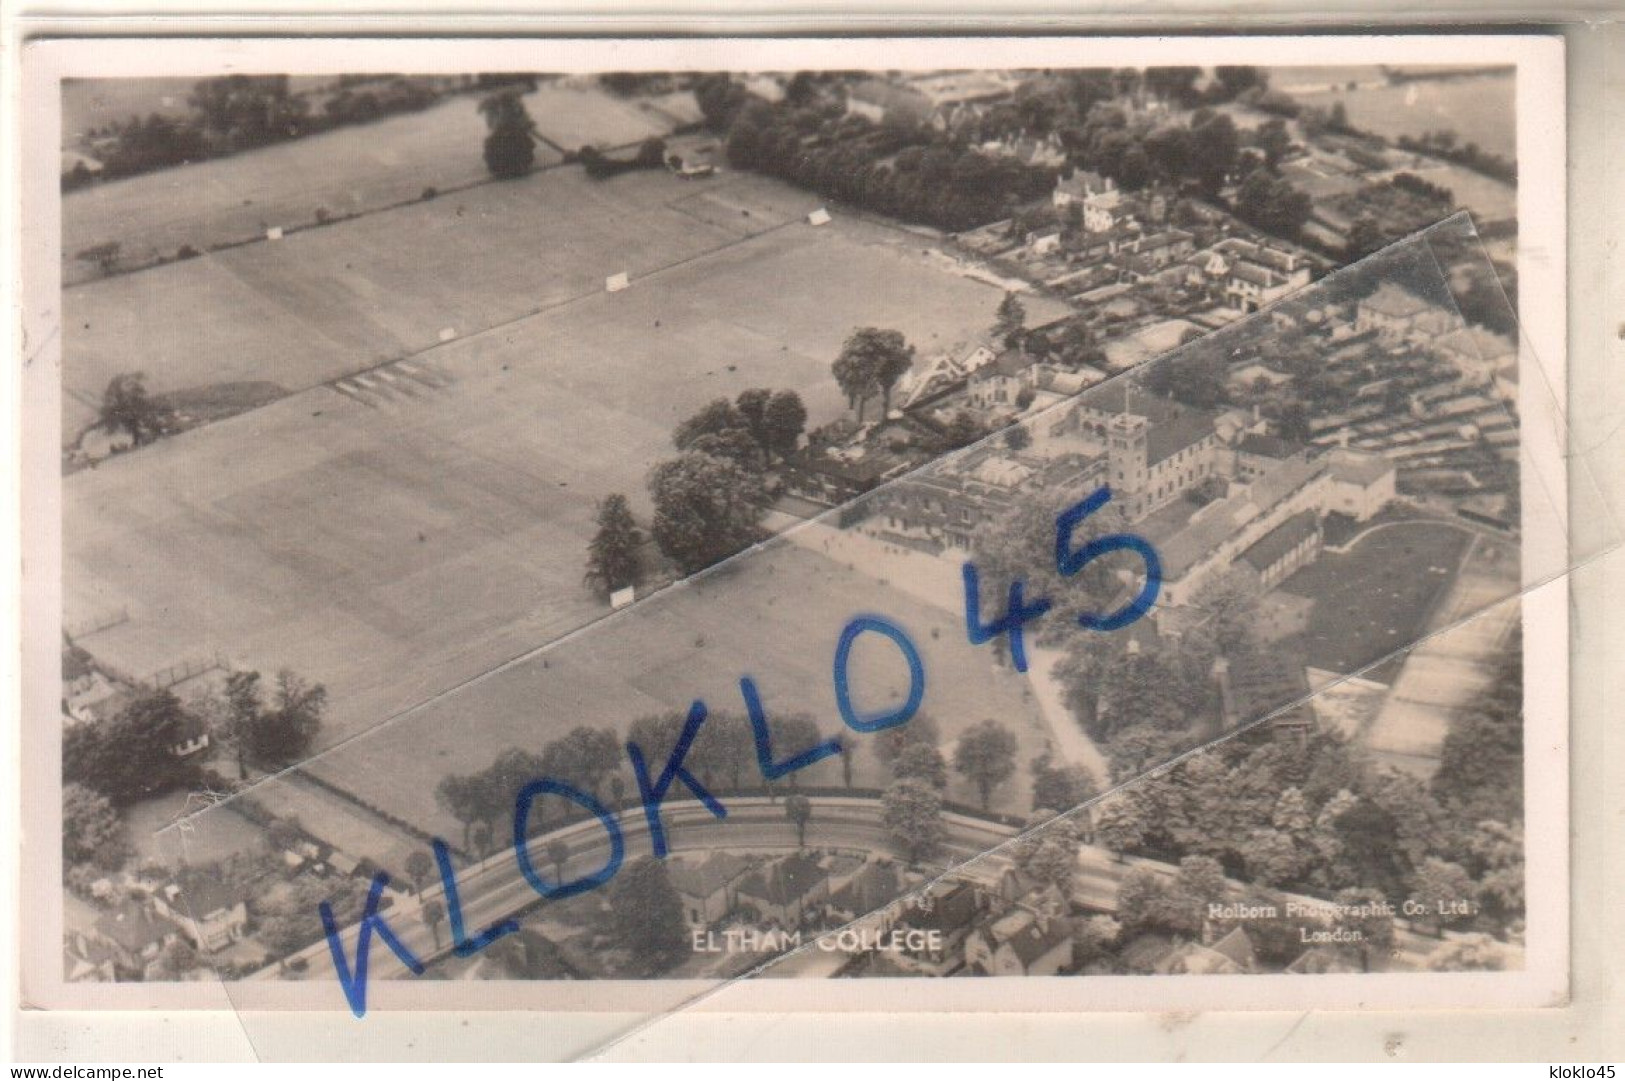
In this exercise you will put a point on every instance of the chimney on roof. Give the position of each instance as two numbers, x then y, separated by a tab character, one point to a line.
1343	438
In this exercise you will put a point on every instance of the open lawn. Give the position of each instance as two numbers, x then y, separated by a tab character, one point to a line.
351	170
1379	596
775	615
1478	108
398	532
323	303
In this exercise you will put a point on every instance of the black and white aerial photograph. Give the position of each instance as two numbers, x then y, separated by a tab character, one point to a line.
664	527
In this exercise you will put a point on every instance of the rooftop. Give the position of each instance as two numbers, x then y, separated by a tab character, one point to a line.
784	882
1267	446
134	927
871	889
704	879
1217	522
1395	302
1358	467
1034	941
1284	538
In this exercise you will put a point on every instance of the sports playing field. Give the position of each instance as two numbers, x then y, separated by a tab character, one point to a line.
1379	596
393	532
776	615
347	171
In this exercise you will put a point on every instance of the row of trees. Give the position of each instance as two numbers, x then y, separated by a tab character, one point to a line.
239	112
723	758
901	167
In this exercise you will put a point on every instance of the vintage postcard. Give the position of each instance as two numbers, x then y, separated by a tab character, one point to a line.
625	525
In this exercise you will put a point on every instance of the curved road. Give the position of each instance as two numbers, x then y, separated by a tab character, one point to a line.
494	889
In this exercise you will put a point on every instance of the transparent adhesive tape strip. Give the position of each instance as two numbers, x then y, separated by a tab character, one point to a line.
1087	698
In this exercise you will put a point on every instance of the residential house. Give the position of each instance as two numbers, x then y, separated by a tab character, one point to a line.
1396	314
786	891
833	477
994	388
940	374
1045	153
134	933
191	737
875	886
1250	377
1019	943
707	890
951	911
1145	256
1082	186
1478	354
956	95
209	913
1251	275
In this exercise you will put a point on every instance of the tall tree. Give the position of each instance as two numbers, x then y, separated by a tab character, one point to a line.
1272	203
244	710
558	854
510	148
1010	321
91	830
714	418
913	815
646	914
871	363
785	419
131	755
923	761
921	728
127	407
461	796
706	509
1440	887
986	756
751	405
434	914
1175	84
1061	787
286	730
584	755
418	869
1480	774
1122	822
1272	138
612	555
798	809
1235	79
1214	144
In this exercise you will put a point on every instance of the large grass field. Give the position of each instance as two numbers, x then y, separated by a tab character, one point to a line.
323	303
1379	596
351	170
775	615
392	552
